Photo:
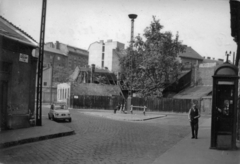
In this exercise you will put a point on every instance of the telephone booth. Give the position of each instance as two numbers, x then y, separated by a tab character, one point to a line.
224	107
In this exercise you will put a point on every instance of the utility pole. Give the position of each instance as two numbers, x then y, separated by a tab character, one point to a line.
129	99
40	66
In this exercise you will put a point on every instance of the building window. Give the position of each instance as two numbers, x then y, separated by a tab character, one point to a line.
45	84
59	58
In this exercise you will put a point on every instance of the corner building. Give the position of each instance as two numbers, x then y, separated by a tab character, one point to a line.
17	77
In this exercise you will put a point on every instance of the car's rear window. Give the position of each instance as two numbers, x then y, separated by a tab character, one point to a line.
60	107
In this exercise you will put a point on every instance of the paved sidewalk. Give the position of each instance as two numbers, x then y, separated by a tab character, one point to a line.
49	129
196	151
136	116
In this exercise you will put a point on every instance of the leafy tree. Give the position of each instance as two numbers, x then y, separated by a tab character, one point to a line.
60	74
152	63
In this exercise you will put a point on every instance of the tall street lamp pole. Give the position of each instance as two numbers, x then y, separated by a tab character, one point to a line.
129	99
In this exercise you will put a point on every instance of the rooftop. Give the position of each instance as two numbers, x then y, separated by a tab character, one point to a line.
191	53
74	49
54	50
9	30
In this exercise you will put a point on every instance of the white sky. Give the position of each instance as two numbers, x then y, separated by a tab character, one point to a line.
202	24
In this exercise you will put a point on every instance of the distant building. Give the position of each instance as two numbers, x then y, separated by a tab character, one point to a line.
53	57
206	71
53	60
59	59
17	77
190	56
87	81
106	54
75	56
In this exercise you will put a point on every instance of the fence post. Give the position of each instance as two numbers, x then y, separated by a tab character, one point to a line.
144	110
131	110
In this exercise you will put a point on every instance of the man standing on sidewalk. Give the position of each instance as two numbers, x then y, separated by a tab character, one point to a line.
193	116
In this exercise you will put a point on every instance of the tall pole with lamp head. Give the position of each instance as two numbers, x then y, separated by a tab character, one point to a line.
129	99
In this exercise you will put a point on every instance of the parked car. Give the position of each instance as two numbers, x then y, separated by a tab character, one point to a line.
59	111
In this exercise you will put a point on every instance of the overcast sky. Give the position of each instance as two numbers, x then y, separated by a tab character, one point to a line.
202	24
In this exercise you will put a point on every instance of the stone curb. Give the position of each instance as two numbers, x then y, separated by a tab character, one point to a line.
35	139
114	117
145	119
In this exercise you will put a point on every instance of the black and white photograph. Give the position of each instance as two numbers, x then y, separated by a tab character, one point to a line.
119	81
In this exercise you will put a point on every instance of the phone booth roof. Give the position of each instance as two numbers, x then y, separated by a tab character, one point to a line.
226	69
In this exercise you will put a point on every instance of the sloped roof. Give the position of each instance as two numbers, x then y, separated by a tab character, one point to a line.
194	92
191	53
9	30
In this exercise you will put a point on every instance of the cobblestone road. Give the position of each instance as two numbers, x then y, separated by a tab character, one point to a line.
99	140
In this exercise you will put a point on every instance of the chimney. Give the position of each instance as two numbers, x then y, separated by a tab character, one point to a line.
109	40
92	73
101	41
57	45
208	58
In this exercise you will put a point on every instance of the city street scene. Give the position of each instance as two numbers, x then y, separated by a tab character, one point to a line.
119	82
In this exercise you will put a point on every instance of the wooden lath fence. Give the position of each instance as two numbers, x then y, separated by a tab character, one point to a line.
107	102
165	104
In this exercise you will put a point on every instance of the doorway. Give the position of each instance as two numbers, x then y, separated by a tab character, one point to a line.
3	105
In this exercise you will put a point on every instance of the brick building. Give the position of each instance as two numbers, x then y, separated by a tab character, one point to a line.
53	56
60	60
17	77
54	61
75	56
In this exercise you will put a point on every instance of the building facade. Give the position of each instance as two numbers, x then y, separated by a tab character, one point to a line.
75	56
106	54
54	66
17	77
60	60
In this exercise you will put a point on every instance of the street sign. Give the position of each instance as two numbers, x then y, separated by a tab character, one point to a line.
23	58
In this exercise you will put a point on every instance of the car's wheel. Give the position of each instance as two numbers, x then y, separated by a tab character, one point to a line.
70	119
